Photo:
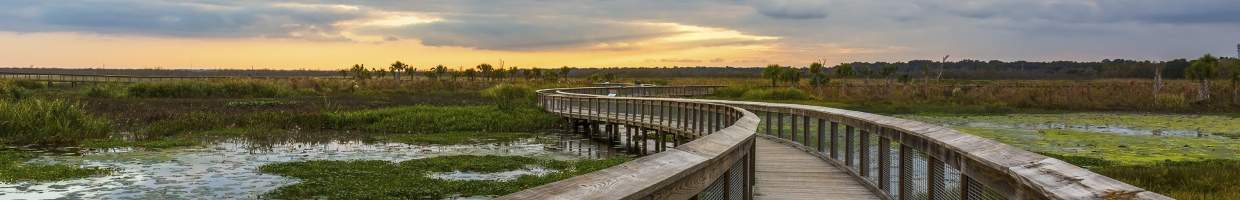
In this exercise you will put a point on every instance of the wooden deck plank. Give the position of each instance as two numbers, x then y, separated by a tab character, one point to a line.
784	172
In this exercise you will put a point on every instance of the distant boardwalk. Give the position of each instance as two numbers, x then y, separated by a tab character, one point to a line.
785	172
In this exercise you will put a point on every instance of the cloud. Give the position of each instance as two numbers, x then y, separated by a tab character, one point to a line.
179	19
791	9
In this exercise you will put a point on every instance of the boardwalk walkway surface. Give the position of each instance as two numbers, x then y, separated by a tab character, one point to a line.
784	172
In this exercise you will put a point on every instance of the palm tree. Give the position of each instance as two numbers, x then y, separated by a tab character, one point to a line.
437	72
486	69
397	67
817	74
773	72
792	76
564	72
360	72
1203	69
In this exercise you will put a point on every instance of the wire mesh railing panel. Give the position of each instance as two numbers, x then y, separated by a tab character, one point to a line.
915	181
736	180
715	191
893	167
977	191
951	184
873	158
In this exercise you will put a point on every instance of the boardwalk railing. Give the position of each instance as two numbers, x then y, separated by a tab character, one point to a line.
895	158
704	150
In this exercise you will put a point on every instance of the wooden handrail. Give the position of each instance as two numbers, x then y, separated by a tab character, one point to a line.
721	144
983	168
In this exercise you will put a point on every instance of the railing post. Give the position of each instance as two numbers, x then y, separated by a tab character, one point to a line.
884	163
864	152
822	135
935	185
906	172
768	122
792	136
805	131
835	141
848	145
779	122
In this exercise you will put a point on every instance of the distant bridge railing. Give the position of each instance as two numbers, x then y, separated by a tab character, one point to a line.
895	158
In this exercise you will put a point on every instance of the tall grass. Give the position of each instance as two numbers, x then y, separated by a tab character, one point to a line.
205	89
762	93
1093	95
9	91
47	122
432	119
1186	180
509	96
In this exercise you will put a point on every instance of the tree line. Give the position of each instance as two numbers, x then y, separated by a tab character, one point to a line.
484	71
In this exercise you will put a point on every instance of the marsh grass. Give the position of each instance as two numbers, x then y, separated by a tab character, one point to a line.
161	143
452	138
762	93
47	122
1185	180
360	179
238	88
434	119
14	169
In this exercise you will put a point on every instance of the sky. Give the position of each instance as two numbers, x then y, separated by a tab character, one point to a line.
333	34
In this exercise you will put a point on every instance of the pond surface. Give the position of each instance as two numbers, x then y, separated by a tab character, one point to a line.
228	169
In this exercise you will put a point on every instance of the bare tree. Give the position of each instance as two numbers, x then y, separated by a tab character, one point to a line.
941	65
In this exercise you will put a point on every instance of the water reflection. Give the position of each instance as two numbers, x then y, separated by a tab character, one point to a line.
227	169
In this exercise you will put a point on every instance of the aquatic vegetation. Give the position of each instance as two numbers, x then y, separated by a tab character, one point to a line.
1185	180
509	96
1125	149
14	169
362	179
148	144
1211	124
47	122
433	119
449	138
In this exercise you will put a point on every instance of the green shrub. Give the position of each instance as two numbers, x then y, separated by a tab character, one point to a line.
105	91
12	92
509	96
29	84
47	122
205	89
732	91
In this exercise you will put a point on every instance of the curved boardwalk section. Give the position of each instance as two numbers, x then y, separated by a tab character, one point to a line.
718	149
784	172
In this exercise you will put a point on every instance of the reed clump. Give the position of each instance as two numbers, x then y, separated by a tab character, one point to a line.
47	122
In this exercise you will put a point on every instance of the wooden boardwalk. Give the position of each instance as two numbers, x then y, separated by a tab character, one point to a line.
784	172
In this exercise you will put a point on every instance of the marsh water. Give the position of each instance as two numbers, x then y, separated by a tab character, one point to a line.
228	169
1128	138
